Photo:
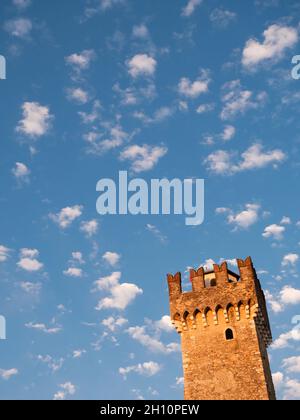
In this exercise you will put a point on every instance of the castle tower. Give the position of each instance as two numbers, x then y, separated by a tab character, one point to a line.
225	333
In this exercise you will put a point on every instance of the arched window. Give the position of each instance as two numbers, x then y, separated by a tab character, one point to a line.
229	334
210	283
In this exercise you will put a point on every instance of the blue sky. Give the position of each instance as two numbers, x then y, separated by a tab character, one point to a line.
179	88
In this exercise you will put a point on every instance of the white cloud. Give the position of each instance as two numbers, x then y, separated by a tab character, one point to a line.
73	272
78	257
165	324
43	328
21	172
143	158
121	295
105	283
36	120
274	231
277	39
31	288
245	218
28	260
112	258
146	369
81	61
286	221
29	253
290	296
78	95
67	389
141	65
159	115
22	4
284	340
77	354
67	216
157	233
190	7
222	18
98	145
140	31
292	364
7	374
54	365
193	89
179	381
4	253
89	228
228	133
92	116
108	4
277	379
292	390
290	260
238	100
152	343
19	27
223	163
275	303
204	108
113	324
287	296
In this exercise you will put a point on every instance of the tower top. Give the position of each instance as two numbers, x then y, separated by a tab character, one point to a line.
220	288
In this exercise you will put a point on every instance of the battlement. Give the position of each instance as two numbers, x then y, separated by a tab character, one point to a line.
219	295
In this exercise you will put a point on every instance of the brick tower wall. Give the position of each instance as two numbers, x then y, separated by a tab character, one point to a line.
217	367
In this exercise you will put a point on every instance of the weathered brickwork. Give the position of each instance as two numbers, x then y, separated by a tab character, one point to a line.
225	333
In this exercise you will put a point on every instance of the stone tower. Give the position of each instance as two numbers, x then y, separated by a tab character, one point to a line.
225	333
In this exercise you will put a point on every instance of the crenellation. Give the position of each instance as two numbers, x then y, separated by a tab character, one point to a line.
225	332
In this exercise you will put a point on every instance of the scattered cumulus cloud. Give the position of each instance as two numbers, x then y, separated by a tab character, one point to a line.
145	369
112	258
242	219
80	61
22	4
8	374
152	343
193	89
143	158
277	39
223	162
19	27
141	65
89	228
190	7
28	260
67	216
78	95
222	18
65	390
290	260
4	253
275	232
21	172
237	100
73	272
43	328
121	295
36	120
114	323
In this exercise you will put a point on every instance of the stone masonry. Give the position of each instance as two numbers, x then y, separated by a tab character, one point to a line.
225	333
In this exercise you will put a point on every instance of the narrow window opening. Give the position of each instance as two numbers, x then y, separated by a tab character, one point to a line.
229	334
